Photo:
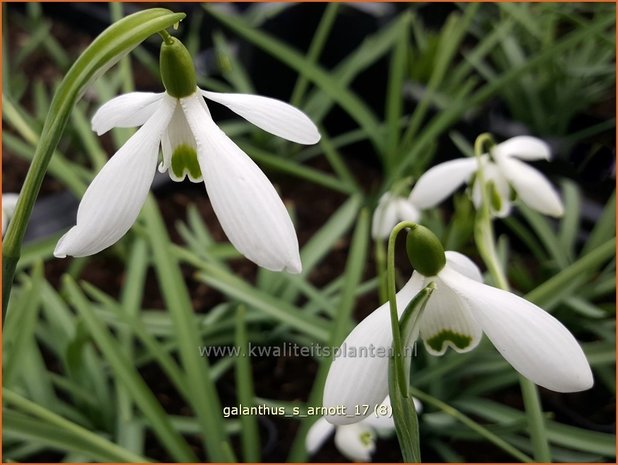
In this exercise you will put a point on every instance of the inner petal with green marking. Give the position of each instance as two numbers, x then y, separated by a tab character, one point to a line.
366	439
184	163
448	322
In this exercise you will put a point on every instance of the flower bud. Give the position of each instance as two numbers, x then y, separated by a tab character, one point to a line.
425	251
177	71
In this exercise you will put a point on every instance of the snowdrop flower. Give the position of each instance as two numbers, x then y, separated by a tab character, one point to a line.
356	441
391	210
504	168
9	202
247	205
458	312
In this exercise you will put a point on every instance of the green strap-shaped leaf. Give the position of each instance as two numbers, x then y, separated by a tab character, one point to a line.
111	45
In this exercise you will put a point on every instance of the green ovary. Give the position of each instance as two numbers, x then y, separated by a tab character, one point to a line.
461	341
494	197
184	161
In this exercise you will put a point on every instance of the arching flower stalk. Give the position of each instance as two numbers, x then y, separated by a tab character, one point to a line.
247	205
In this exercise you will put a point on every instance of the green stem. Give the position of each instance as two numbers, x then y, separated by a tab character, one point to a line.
392	299
486	244
536	420
167	38
404	412
380	257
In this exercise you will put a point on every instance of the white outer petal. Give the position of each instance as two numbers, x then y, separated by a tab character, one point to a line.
9	202
383	424
407	211
247	205
442	180
463	265
271	115
318	434
532	187
348	441
529	338
524	148
125	111
363	380
115	197
384	217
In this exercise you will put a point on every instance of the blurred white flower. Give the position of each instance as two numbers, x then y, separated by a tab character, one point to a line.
9	201
391	210
247	205
459	310
504	169
355	441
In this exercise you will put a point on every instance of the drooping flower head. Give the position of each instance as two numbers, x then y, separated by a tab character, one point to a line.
247	205
356	441
458	312
392	209
504	171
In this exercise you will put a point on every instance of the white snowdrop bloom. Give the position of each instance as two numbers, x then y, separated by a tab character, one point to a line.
391	210
247	205
355	441
458	312
9	202
504	168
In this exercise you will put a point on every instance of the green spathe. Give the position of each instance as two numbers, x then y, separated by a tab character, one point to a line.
425	251
177	70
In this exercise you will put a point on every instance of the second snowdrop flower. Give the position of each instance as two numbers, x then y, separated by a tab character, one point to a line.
504	168
247	205
458	312
392	209
357	441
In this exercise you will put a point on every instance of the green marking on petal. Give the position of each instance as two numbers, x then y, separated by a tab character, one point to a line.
366	439
437	341
184	161
494	197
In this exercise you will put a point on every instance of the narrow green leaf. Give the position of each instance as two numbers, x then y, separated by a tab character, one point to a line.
560	434
22	327
204	398
249	432
254	298
605	227
355	107
134	383
355	266
48	428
